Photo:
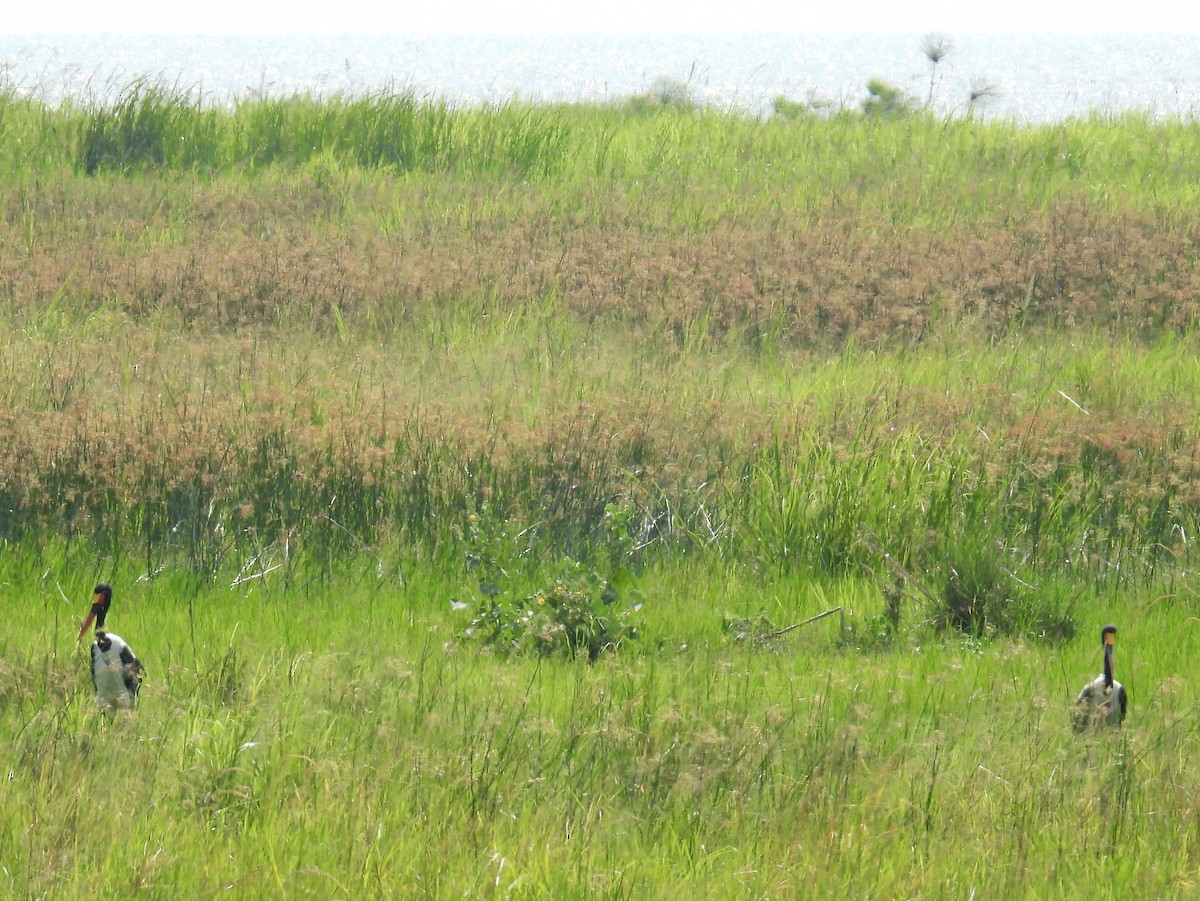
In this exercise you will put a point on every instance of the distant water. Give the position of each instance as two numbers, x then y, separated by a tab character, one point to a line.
1030	77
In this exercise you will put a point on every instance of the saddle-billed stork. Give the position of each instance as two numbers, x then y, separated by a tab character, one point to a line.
1103	701
116	671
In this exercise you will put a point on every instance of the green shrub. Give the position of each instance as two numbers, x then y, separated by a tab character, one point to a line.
886	100
786	108
571	612
664	94
566	620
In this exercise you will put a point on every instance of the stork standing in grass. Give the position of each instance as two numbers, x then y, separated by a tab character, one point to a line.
1103	701
116	671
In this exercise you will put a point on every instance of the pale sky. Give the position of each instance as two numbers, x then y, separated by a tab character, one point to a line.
949	17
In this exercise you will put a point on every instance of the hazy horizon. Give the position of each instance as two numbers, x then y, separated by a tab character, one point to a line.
218	17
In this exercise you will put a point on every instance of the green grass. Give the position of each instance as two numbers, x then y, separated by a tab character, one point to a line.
345	743
313	382
904	166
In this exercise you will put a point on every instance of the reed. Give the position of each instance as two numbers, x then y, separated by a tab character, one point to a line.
224	458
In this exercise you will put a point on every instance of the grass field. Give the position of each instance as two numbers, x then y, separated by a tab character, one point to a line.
346	745
383	417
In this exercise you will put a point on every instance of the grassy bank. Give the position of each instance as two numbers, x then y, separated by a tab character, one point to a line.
315	383
291	747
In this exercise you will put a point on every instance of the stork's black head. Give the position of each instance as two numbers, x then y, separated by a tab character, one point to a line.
1108	635
101	600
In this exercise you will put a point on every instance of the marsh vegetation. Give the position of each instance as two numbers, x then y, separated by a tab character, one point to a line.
433	451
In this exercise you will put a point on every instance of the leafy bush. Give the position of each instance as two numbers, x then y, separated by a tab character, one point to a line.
566	620
786	108
579	613
885	99
664	94
758	631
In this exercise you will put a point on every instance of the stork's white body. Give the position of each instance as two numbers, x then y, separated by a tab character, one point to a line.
116	673
1099	704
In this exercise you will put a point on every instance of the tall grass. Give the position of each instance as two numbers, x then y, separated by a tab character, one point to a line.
152	127
903	164
226	458
302	747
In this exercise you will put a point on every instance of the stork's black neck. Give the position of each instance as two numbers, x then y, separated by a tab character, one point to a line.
1108	666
